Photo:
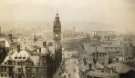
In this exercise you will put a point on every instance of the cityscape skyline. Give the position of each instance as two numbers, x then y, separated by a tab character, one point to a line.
84	15
67	39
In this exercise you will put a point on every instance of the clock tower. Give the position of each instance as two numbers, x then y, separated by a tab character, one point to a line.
57	29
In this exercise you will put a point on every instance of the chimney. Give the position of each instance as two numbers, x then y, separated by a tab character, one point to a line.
11	37
18	48
44	44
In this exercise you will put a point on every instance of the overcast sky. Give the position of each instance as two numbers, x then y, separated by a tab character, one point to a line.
84	14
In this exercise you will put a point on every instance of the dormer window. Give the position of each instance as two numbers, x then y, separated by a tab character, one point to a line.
15	57
20	57
23	57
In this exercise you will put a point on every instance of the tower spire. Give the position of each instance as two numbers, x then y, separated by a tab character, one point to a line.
57	14
57	28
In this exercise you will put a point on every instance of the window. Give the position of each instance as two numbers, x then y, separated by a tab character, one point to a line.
20	57
1	74
19	63
20	70
15	57
5	75
23	57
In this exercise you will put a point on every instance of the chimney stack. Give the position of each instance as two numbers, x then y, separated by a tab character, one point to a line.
44	44
18	48
10	37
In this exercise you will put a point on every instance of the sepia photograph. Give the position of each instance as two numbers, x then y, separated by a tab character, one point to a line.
67	38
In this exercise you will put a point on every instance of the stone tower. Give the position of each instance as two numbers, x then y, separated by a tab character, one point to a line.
57	29
57	41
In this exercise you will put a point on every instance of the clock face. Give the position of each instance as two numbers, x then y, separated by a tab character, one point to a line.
57	35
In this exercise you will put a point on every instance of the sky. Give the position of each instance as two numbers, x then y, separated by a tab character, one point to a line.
85	15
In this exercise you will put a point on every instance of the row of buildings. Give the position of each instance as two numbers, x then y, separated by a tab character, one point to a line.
105	53
19	60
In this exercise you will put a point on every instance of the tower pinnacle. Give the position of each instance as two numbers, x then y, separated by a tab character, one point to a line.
57	28
57	14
